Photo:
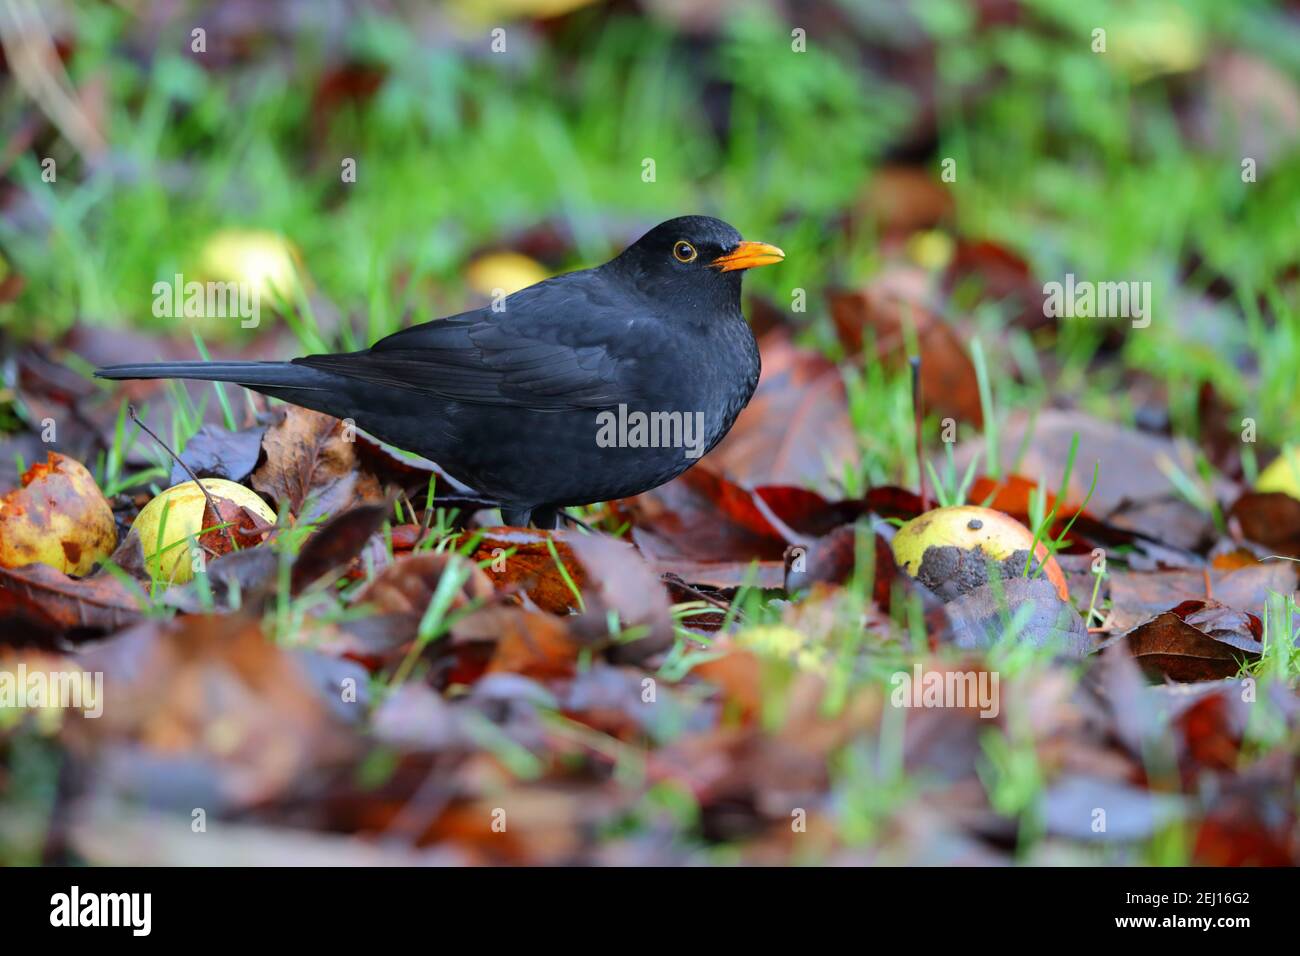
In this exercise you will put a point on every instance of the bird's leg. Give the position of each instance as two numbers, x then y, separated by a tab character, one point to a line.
546	518
543	517
516	517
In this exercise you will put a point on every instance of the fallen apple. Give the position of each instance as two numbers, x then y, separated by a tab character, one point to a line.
503	272
182	514
949	549
265	262
58	517
1282	475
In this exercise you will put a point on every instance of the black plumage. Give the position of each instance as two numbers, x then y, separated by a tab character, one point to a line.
510	401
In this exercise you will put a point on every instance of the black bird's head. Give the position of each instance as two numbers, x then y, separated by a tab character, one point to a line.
695	257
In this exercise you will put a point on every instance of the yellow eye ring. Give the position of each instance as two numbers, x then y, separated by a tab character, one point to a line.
683	251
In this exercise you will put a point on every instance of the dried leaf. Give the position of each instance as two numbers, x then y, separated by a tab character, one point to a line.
1198	640
38	596
309	457
217	452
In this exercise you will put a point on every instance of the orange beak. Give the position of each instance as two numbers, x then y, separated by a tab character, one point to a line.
748	255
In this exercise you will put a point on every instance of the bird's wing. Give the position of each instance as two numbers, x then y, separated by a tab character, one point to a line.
555	346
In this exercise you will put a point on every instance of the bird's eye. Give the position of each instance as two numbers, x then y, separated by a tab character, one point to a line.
683	251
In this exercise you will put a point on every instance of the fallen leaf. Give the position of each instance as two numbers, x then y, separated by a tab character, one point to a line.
527	642
1197	640
520	558
999	275
309	457
881	313
709	530
980	618
215	689
622	585
40	597
1137	596
904	199
796	429
1132	464
217	452
1270	519
336	543
400	594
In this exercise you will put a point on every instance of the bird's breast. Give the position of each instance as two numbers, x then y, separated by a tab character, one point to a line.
712	372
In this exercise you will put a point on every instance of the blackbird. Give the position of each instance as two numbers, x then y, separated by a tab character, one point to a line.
585	387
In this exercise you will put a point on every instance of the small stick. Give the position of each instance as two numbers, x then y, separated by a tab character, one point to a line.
668	577
917	397
1209	591
189	471
574	519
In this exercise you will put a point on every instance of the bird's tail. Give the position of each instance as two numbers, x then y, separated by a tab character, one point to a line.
255	375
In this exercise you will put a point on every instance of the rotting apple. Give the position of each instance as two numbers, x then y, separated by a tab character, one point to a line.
949	549
177	515
58	517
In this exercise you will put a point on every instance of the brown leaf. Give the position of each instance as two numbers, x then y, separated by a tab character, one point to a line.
1271	519
37	596
832	559
250	573
903	199
796	429
521	558
1220	439
400	594
334	545
216	689
1132	467
1136	596
738	674
881	312
620	582
527	642
1212	728
999	275
708	530
1198	640
217	452
309	458
1252	819
979	618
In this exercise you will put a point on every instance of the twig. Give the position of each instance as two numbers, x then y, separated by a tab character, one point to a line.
189	471
917	397
669	577
574	519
